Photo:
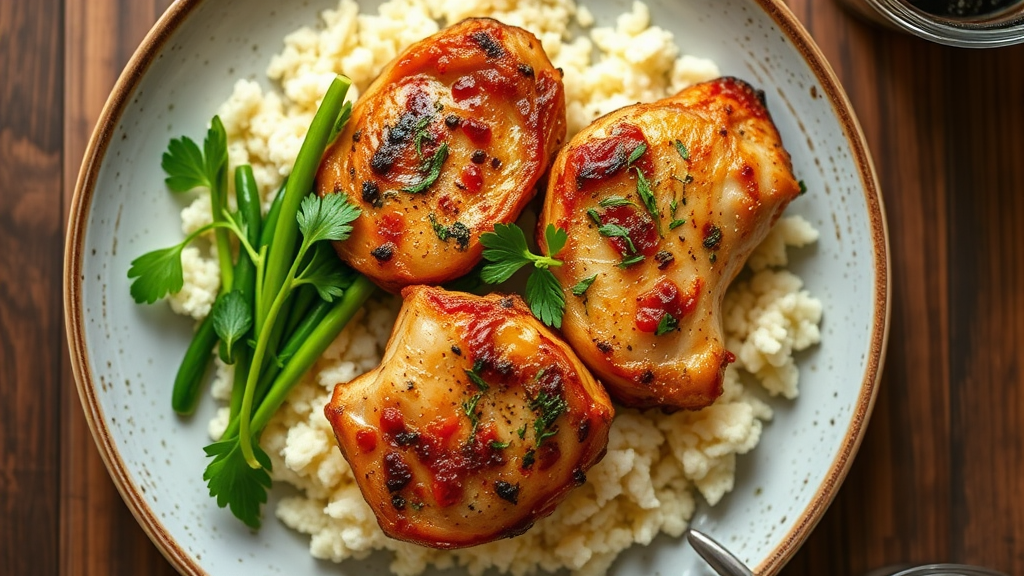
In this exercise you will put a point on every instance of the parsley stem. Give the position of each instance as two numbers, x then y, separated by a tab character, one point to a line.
300	182
320	337
263	341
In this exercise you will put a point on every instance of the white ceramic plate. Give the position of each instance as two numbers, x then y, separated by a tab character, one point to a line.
124	355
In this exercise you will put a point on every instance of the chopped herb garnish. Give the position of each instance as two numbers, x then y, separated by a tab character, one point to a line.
803	187
433	170
594	216
613	201
583	285
643	189
617	231
549	407
496	445
667	324
683	152
627	262
475	377
469	407
636	154
673	205
529	458
423	134
676	224
457	231
521	432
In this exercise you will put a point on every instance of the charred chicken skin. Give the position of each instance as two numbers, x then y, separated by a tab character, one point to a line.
477	423
450	139
663	203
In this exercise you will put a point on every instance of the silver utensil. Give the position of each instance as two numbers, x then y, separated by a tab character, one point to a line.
721	560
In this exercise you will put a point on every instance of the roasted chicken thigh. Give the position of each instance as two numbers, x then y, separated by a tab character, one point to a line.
477	423
450	139
663	203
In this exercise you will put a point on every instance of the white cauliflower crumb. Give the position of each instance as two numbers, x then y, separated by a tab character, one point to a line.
202	281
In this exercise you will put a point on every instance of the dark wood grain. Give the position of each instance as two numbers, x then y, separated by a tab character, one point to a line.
30	284
940	474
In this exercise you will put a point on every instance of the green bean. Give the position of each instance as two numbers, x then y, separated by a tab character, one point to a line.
247	195
300	182
267	234
296	338
188	381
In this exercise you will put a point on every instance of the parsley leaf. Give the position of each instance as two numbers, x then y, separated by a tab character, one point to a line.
507	251
676	224
668	323
326	273
433	170
681	149
156	274
232	319
556	239
583	285
496	445
187	167
327	218
643	189
234	483
594	216
545	297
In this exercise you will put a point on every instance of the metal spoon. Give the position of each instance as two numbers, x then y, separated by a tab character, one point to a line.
721	560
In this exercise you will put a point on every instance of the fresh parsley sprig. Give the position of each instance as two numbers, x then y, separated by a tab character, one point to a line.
188	168
506	251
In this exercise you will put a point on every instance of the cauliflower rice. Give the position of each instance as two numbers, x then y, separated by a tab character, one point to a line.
655	462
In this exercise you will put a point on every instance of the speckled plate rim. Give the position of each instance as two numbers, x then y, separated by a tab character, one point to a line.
75	321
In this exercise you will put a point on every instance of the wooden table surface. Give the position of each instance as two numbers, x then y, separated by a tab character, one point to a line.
940	475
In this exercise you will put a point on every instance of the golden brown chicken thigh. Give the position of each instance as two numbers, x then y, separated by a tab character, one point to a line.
663	203
477	423
450	139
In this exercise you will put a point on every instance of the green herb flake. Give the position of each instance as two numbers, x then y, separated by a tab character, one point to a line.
433	170
475	377
803	187
617	231
529	458
643	189
627	262
636	154
682	150
496	445
521	432
594	216
614	201
583	285
548	407
469	407
676	224
667	324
